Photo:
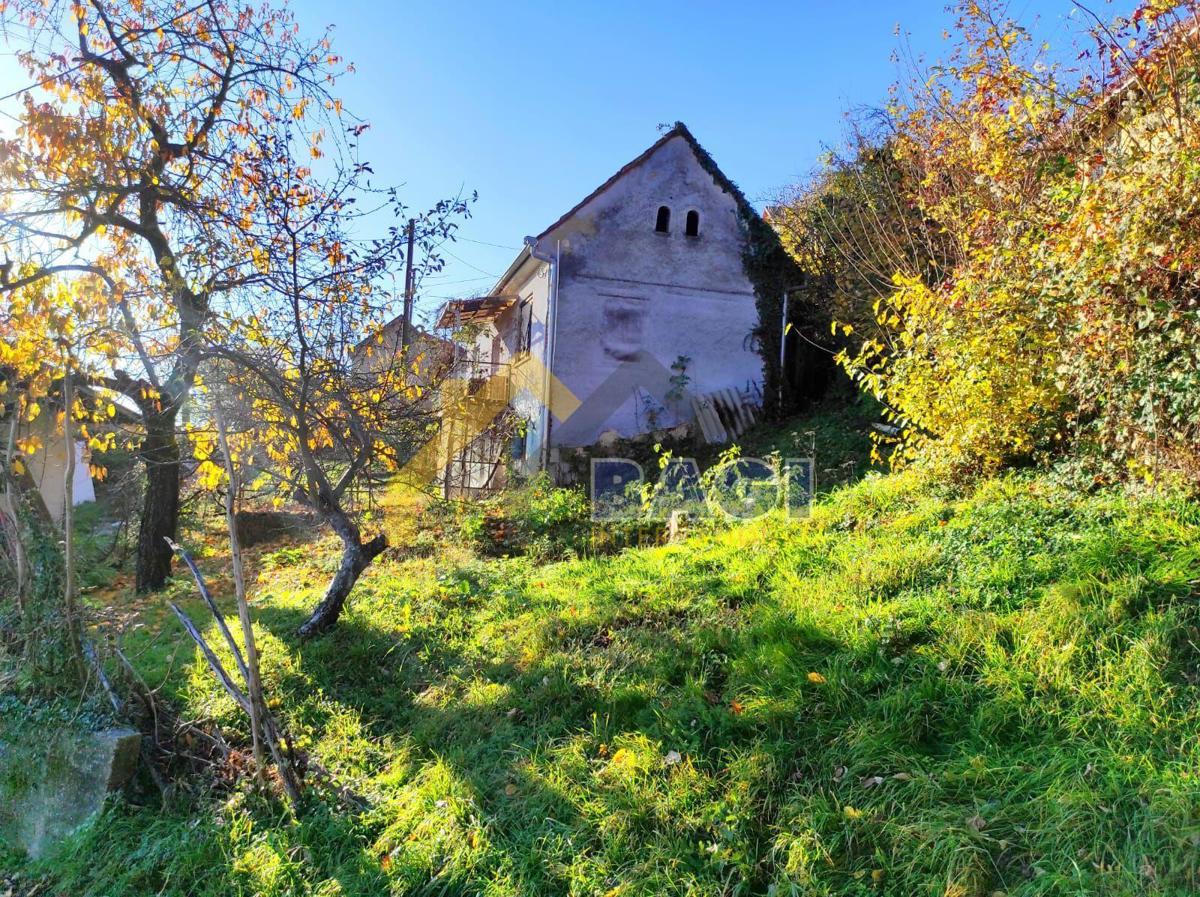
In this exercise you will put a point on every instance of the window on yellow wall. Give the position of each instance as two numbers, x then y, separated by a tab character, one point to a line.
662	224
691	226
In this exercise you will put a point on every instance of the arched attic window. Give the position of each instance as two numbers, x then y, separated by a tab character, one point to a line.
691	227
662	224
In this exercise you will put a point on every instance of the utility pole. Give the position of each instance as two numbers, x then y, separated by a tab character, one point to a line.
783	335
409	286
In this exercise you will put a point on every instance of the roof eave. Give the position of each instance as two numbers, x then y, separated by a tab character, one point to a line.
511	271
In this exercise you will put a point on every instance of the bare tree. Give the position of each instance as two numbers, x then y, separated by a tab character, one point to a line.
316	419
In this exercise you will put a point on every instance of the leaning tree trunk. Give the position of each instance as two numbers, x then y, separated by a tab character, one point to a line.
356	556
160	508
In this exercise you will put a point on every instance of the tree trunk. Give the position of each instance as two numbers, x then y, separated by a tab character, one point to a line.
356	556
70	595
258	705
160	508
8	512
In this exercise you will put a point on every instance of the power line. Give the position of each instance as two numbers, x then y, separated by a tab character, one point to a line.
485	243
469	265
450	283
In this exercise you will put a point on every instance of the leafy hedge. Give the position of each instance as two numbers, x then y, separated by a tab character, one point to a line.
1048	295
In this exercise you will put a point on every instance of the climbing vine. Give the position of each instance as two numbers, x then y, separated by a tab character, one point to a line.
35	650
774	274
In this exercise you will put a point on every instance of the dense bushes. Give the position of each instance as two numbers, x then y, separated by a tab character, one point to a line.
537	519
1047	296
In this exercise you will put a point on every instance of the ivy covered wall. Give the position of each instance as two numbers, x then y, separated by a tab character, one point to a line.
774	274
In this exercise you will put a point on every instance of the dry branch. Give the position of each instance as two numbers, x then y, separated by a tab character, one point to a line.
270	731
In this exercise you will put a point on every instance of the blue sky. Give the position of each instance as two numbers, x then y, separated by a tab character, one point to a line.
534	104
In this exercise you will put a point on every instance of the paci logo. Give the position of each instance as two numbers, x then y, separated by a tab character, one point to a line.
738	489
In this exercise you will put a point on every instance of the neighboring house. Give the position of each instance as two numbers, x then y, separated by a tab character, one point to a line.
381	351
48	465
645	273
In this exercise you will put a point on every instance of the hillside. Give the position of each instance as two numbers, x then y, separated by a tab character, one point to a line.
912	692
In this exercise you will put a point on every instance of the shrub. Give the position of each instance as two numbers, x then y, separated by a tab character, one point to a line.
1066	310
537	519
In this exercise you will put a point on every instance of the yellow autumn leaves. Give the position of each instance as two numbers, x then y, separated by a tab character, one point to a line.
1062	306
44	334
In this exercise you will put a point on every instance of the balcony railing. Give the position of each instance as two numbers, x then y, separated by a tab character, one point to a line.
478	372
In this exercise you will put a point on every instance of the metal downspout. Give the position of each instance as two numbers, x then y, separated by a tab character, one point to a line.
550	339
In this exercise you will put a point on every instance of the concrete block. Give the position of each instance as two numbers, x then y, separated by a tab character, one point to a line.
50	788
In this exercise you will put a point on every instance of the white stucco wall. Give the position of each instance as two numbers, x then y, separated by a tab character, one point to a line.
625	288
535	289
48	469
529	283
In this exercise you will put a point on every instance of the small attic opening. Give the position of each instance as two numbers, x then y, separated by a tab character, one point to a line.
662	224
692	225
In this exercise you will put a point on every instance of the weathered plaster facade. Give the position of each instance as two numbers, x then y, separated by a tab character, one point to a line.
626	287
611	287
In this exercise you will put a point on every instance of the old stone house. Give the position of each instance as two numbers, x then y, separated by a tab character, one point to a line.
620	317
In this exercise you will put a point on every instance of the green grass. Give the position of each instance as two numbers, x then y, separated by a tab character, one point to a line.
911	693
834	435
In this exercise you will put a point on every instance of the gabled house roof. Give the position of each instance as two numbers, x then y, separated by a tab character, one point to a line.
418	333
679	129
124	411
